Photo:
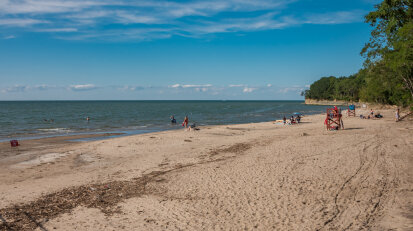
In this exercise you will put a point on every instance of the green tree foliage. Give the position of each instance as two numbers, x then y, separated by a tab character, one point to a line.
387	76
381	89
332	88
391	44
322	88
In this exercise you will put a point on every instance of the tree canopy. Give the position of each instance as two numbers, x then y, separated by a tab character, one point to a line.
387	76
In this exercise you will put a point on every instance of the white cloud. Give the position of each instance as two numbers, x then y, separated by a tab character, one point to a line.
58	30
203	89
126	17
156	19
175	86
20	22
82	87
269	85
340	17
190	86
46	6
15	88
10	37
130	88
24	88
248	89
295	88
236	85
196	86
43	87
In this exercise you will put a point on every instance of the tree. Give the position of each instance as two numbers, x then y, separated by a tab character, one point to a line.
387	76
322	88
391	41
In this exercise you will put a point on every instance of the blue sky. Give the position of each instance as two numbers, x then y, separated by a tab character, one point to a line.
218	49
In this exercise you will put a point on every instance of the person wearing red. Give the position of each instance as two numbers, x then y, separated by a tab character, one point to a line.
185	123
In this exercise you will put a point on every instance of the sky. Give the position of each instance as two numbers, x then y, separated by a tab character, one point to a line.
176	50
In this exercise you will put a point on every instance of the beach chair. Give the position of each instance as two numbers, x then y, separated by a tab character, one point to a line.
351	111
14	143
333	119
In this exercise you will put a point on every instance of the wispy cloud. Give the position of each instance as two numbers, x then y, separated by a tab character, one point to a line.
19	22
43	87
58	30
130	88
248	89
23	88
15	88
83	87
190	85
296	89
10	37
175	89
236	85
46	6
340	17
154	19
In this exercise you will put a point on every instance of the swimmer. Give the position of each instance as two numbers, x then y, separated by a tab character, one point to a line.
185	123
173	120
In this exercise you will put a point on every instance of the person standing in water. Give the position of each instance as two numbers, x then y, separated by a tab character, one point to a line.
185	123
173	120
87	119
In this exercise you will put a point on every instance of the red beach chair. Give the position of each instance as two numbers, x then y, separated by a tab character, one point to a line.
333	119
14	143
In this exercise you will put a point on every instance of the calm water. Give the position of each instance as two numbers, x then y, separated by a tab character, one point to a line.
26	119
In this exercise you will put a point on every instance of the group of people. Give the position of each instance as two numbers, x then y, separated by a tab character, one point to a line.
371	115
185	123
292	120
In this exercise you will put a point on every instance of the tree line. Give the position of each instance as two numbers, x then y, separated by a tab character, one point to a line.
387	75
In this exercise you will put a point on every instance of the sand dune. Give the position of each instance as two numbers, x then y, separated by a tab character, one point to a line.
238	177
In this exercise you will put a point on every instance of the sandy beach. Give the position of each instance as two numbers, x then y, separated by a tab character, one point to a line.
259	176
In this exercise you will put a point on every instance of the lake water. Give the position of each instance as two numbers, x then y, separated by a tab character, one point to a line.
33	119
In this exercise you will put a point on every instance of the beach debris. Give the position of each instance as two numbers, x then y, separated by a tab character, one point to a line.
236	148
104	196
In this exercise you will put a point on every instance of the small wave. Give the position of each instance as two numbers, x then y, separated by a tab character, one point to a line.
58	130
135	127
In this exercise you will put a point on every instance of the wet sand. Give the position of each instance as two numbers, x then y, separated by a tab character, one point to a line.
250	176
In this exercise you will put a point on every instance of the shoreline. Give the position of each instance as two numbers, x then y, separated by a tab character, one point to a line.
216	169
367	105
67	137
117	132
129	119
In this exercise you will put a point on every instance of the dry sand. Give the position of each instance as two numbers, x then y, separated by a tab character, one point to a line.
238	177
